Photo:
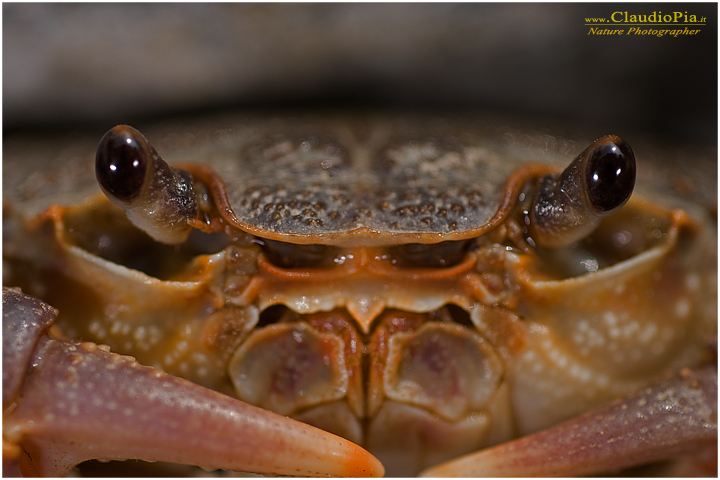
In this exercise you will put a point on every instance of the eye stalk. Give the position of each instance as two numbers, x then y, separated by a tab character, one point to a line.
569	206
158	199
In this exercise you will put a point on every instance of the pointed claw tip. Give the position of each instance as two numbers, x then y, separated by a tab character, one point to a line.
361	463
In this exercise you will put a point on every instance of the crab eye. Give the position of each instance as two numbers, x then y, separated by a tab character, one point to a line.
122	164
288	255
157	199
610	176
436	255
569	206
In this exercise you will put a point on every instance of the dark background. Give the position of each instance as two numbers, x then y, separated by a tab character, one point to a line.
91	66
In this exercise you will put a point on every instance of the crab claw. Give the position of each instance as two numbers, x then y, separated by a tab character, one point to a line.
667	421
78	402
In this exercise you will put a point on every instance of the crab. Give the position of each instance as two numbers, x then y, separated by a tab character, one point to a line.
355	296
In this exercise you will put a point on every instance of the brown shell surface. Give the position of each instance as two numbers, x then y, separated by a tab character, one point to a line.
325	178
377	180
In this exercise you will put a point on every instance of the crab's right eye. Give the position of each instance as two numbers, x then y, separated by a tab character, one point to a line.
158	199
122	164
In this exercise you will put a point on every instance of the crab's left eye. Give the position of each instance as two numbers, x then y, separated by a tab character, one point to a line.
569	206
610	176
436	255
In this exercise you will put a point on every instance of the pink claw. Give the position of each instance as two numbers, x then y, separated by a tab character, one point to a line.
80	402
670	420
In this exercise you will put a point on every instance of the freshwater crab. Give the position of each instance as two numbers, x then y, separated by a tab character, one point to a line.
432	291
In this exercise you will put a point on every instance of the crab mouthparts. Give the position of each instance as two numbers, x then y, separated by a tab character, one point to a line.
427	376
431	361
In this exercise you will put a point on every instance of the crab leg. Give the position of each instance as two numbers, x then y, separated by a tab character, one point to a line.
79	402
670	420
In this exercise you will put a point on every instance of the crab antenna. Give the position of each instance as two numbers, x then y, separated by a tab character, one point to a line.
570	205
158	199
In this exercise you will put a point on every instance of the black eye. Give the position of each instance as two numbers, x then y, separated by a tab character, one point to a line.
122	163
610	175
288	255
436	255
